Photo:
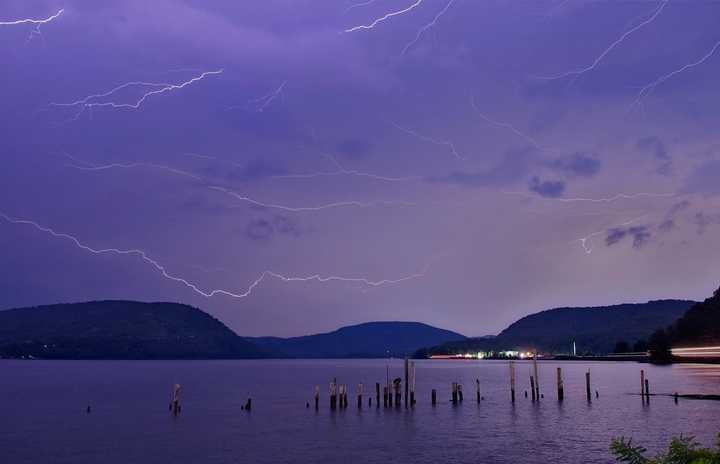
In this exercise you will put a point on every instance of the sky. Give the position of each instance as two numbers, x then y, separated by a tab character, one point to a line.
292	166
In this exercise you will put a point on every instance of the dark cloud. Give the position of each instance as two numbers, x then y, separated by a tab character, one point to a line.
265	229
640	235
578	164
668	222
703	221
655	147
547	188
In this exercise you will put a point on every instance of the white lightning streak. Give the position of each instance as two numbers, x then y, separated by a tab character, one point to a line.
36	22
266	100
90	101
611	47
210	293
611	199
385	17
584	240
358	5
342	171
648	89
505	125
425	138
239	196
423	29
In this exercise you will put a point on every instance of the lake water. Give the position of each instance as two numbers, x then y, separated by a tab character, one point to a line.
43	415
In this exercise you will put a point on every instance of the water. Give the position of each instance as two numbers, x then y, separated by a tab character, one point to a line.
43	419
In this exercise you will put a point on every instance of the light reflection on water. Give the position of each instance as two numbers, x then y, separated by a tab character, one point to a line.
42	405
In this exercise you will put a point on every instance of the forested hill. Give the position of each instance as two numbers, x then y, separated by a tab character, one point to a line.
118	330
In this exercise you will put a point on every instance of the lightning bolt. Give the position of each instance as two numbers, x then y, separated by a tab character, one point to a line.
358	5
611	47
584	240
238	196
265	101
196	288
648	89
610	199
95	101
505	125
385	17
37	23
424	29
425	138
342	171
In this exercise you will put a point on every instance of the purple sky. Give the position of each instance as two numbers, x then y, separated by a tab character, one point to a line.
453	157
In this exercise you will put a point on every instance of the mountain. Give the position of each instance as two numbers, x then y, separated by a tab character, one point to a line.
369	340
700	325
594	330
119	330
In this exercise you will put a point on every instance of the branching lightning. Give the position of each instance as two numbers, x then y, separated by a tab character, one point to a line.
263	102
588	238
358	5
611	47
96	100
37	23
648	89
505	125
425	138
210	293
385	17
342	171
84	166
423	29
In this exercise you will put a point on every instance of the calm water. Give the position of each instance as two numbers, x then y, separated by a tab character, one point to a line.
43	419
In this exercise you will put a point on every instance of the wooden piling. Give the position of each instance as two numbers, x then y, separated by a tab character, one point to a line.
385	397
537	378
397	386
647	391
248	404
532	387
460	393
560	386
377	394
587	386
512	381
407	381
175	400
359	395
642	384
433	397
317	397
333	394
454	393
412	383
477	390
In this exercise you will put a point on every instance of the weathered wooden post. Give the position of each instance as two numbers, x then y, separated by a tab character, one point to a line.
454	393
477	390
532	387
587	386
412	383
433	397
359	395
647	391
317	397
385	397
377	394
248	404
333	394
460	392
397	386
642	384
407	383
537	378
175	400
512	381
560	387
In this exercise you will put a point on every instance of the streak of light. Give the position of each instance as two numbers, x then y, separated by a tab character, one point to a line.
36	22
91	101
385	17
611	47
505	125
588	238
429	25
648	89
239	196
425	138
342	171
358	5
265	101
196	288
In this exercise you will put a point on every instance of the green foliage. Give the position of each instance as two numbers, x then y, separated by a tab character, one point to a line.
682	450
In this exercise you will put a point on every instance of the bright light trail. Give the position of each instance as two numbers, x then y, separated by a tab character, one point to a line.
506	125
358	5
36	22
697	352
385	17
265	101
424	29
596	62
584	240
425	138
91	101
196	288
648	89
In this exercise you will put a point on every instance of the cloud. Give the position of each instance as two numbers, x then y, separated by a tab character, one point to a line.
668	222
704	179
513	167
703	221
655	147
640	235
579	164
547	188
264	229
